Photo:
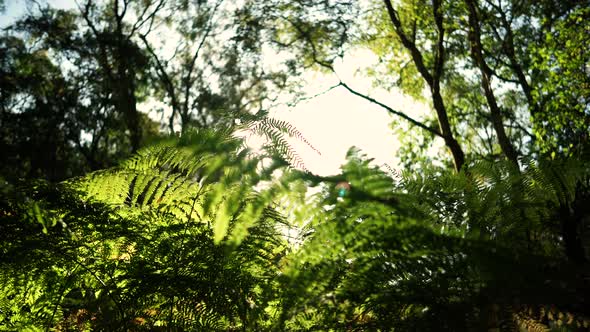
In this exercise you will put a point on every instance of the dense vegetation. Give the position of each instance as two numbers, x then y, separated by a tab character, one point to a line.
111	220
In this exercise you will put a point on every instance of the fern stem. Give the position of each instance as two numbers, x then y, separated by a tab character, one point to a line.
61	294
119	307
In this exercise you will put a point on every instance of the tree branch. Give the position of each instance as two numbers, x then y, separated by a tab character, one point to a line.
509	49
187	80
141	21
410	45
167	82
477	56
391	110
433	80
103	58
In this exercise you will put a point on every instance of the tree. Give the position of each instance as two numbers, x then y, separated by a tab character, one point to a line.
475	59
110	56
97	41
38	139
118	57
191	245
196	232
103	112
213	77
486	76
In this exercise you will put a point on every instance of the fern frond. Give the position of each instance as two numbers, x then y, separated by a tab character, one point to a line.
267	126
274	131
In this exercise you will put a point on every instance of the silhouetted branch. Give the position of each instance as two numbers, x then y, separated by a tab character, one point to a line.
391	110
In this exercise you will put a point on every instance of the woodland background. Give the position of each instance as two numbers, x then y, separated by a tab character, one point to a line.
113	219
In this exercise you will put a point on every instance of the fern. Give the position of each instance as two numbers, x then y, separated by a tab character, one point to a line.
177	231
417	260
274	131
200	234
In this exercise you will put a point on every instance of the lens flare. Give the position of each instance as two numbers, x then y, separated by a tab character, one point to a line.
342	188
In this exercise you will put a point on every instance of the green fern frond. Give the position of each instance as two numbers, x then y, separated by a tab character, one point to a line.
269	127
182	230
276	131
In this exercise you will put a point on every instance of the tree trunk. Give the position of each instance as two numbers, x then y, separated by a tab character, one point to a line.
571	236
486	73
445	129
432	79
128	106
127	102
571	219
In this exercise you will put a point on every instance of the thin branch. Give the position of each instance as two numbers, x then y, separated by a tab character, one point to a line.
167	82
517	125
196	55
391	110
103	59
291	104
141	21
515	65
314	52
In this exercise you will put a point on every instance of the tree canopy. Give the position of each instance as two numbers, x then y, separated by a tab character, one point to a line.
131	201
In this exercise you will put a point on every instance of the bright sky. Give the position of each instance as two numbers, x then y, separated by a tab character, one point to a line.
15	8
337	120
332	122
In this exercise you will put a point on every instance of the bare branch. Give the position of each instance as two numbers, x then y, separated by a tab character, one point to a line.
291	104
141	21
392	111
188	83
168	85
305	36
103	57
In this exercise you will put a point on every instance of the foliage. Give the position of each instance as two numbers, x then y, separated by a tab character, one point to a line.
194	231
39	137
434	257
153	242
188	234
307	33
97	74
566	92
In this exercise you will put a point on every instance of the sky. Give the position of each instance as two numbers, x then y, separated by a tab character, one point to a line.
16	8
331	122
337	120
